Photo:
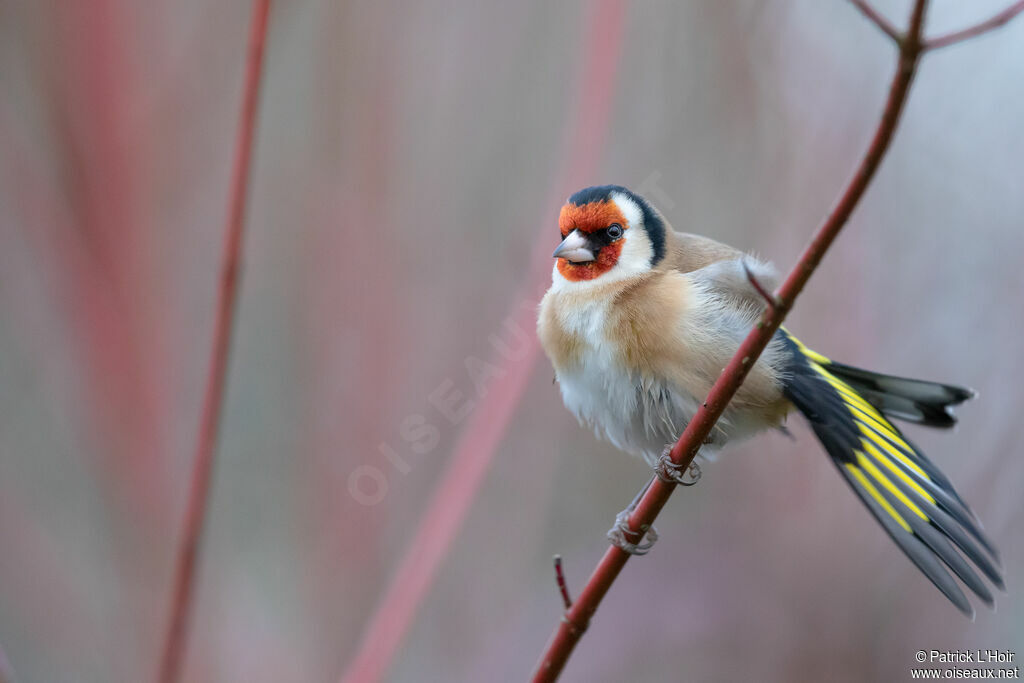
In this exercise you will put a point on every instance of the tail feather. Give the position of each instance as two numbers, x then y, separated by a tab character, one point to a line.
914	400
915	503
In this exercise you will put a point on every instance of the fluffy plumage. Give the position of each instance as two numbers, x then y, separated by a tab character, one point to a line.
640	322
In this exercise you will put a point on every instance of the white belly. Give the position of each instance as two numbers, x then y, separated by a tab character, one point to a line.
641	414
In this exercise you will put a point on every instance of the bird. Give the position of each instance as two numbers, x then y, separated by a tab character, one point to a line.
639	322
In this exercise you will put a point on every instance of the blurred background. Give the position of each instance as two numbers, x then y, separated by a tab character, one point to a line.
409	163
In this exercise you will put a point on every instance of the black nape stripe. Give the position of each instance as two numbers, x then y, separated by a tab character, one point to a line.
653	223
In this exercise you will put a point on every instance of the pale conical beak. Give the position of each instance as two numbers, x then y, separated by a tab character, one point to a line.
575	248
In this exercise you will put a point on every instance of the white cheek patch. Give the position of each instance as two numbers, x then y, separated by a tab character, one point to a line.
638	251
628	208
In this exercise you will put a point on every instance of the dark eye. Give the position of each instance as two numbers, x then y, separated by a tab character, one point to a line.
615	231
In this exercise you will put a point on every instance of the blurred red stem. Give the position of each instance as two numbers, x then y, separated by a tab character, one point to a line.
6	671
576	619
202	467
465	472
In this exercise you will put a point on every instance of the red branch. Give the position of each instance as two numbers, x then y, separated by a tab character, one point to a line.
464	474
576	619
202	467
976	30
911	47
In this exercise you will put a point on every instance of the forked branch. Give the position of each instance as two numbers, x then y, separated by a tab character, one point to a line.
911	46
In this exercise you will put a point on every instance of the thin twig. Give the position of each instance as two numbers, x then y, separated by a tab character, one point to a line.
976	30
563	587
570	629
760	288
877	19
202	467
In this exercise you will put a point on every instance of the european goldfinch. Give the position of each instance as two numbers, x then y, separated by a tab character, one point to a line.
639	322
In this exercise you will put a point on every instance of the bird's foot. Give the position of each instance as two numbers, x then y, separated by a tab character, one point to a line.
672	473
620	534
